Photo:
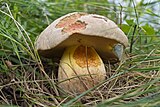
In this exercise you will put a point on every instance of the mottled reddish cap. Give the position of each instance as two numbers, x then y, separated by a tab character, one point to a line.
80	29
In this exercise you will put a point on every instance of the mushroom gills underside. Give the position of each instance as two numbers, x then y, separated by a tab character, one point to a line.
109	50
80	69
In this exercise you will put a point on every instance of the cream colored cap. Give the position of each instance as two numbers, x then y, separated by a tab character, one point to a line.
79	28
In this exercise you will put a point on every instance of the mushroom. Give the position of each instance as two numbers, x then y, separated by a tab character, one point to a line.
82	40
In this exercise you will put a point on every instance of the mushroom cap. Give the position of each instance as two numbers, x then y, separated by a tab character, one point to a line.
79	28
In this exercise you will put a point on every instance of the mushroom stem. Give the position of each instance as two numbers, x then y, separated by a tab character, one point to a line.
80	68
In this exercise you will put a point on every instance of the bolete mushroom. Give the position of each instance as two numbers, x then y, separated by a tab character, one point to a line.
82	40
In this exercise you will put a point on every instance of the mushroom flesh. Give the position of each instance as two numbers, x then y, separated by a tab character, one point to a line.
82	41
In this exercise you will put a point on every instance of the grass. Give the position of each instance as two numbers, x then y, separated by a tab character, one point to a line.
28	80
